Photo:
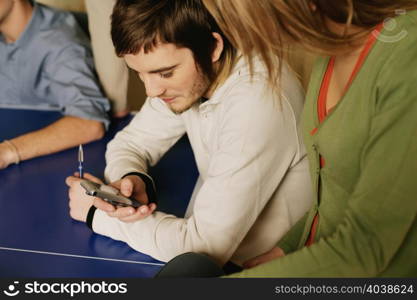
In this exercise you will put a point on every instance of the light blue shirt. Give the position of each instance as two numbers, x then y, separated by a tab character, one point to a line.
50	67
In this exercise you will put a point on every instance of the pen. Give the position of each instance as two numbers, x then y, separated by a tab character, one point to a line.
80	160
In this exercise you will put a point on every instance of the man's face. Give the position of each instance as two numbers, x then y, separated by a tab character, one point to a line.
5	9
171	74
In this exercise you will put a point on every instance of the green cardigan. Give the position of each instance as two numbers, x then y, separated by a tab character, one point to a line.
367	200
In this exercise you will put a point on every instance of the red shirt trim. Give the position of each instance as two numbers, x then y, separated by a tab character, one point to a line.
322	103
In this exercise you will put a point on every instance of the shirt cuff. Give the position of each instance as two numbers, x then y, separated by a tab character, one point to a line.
90	217
149	184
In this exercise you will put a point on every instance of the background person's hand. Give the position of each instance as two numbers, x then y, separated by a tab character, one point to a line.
79	202
7	155
133	187
263	258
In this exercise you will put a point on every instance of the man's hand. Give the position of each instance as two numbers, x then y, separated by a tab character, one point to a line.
263	258
80	202
7	155
131	186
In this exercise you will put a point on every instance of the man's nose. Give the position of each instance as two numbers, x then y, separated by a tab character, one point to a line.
153	87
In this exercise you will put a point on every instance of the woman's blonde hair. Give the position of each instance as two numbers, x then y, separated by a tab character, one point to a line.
267	27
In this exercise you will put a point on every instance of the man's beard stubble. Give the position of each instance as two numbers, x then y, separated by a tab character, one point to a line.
199	88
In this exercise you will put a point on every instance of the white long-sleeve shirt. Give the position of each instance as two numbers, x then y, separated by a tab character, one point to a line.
254	181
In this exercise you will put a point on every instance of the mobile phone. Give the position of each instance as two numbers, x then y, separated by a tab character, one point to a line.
107	193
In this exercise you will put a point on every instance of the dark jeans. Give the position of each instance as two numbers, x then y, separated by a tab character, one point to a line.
195	265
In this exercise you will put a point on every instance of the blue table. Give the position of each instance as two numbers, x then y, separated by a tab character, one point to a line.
37	236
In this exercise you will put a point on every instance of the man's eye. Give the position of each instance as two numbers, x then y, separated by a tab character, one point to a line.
166	75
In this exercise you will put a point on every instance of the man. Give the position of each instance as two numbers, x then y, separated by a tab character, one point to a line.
254	181
46	64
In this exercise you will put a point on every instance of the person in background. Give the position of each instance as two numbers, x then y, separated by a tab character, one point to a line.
112	70
360	131
46	64
254	181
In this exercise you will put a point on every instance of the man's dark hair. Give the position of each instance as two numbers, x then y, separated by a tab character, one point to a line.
138	24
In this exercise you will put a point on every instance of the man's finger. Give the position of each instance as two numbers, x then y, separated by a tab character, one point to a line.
103	205
92	178
122	212
139	215
70	180
152	206
126	187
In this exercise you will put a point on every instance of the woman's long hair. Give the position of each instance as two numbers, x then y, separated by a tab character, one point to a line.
267	27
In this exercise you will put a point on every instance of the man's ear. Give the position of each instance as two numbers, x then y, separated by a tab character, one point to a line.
217	52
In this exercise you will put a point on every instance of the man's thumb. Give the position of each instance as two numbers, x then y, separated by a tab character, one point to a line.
126	187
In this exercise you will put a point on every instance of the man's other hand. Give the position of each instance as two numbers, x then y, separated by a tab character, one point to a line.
133	187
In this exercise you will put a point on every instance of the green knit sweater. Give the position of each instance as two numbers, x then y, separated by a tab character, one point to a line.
366	193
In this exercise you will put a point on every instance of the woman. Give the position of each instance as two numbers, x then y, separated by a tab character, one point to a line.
360	131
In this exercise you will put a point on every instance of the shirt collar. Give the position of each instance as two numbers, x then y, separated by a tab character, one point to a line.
240	69
32	28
